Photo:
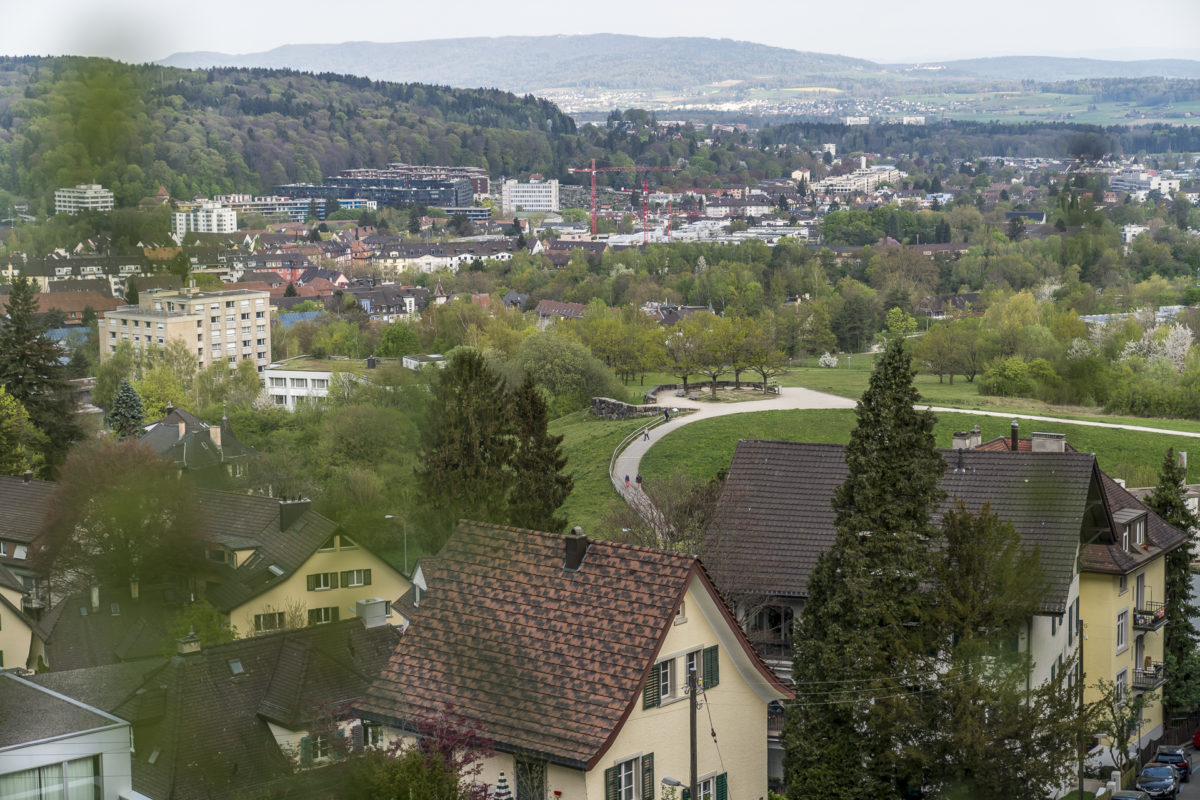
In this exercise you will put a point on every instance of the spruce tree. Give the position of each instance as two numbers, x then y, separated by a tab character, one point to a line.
861	648
127	414
1182	663
31	371
539	487
466	446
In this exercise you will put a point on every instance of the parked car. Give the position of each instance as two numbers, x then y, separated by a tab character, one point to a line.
1158	781
1177	757
1130	794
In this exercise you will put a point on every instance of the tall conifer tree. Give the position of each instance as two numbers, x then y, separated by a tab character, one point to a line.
127	414
860	648
1182	690
539	487
31	371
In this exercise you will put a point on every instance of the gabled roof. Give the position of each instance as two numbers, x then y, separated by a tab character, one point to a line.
196	448
544	659
775	516
22	507
32	713
210	725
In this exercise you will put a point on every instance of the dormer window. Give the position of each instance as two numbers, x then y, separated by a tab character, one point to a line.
1139	532
1125	538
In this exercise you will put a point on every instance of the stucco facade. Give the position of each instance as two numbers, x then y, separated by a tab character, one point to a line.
16	635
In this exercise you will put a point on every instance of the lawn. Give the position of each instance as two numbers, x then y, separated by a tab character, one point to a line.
589	443
702	449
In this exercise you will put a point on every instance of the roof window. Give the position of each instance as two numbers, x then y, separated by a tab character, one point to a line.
235	667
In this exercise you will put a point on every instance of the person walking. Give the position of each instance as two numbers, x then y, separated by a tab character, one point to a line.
666	415
627	483
639	481
646	434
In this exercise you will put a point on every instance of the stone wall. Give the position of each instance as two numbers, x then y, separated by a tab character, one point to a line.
651	395
607	408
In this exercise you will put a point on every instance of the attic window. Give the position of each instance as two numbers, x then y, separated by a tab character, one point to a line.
83	611
235	667
252	561
116	609
329	545
154	755
347	543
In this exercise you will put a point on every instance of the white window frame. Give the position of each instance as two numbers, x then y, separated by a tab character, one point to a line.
1125	538
629	779
1122	630
372	734
356	577
666	680
1121	684
706	788
322	578
324	615
276	617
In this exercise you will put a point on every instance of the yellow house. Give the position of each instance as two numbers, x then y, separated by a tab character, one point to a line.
1122	594
16	628
278	564
571	656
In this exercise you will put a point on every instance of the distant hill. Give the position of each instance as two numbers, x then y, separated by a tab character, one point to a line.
532	63
605	61
1049	69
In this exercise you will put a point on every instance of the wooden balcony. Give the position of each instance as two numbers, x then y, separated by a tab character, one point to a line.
1149	616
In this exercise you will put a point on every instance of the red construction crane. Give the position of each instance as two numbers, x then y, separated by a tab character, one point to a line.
670	203
594	169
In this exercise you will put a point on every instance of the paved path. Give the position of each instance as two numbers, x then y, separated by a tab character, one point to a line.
629	461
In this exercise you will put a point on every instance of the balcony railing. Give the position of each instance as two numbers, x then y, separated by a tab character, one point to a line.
1149	616
1149	678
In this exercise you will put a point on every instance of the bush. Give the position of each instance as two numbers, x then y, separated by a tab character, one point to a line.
1006	377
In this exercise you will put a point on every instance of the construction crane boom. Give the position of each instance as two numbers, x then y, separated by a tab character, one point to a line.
594	169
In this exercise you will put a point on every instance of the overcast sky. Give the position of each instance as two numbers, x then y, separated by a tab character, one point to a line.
879	30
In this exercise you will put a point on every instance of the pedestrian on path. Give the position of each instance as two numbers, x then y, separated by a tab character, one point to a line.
666	415
646	434
639	481
627	483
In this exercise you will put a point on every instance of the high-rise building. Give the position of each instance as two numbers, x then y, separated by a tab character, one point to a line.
84	197
208	218
228	325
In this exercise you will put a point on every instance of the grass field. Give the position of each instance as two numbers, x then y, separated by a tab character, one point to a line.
702	449
588	443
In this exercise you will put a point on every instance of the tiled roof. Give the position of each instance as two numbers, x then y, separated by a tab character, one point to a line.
22	507
208	724
104	687
196	448
78	636
543	659
557	308
31	712
775	516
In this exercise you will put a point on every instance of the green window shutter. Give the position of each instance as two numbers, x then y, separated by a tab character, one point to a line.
306	751
648	776
312	582
712	667
333	580
366	577
650	696
610	784
722	786
335	615
346	578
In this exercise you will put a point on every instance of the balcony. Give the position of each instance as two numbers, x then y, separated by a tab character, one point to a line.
1149	616
1150	678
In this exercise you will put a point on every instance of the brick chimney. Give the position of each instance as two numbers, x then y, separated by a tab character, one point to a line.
214	433
1015	436
182	429
188	645
575	547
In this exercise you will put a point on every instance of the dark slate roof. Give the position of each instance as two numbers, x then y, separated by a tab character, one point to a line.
76	640
104	687
22	507
209	725
31	712
498	594
775	516
196	448
1106	554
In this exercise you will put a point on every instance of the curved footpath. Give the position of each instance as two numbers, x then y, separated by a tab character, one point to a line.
629	461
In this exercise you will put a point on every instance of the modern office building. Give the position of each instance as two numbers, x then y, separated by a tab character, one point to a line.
84	197
534	197
231	325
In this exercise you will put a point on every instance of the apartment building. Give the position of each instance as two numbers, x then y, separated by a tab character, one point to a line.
209	217
534	197
230	325
84	197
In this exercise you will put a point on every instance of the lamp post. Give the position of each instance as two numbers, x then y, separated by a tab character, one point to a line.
404	527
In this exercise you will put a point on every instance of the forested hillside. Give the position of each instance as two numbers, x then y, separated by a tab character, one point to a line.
65	121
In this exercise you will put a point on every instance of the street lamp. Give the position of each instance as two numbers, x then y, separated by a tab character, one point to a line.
404	524
669	781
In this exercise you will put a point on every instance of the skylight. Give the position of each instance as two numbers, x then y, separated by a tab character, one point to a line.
275	570
235	666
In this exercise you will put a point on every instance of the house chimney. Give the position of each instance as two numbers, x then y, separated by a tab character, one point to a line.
1015	436
290	511
182	429
1048	442
961	440
976	437
576	545
214	433
188	645
1181	456
95	598
27	476
372	611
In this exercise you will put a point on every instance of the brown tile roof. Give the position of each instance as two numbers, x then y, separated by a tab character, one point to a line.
557	308
545	660
775	517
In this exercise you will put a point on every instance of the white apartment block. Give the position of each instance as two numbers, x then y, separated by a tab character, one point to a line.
535	196
292	387
208	218
84	197
231	325
856	120
1131	232
1141	180
861	180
